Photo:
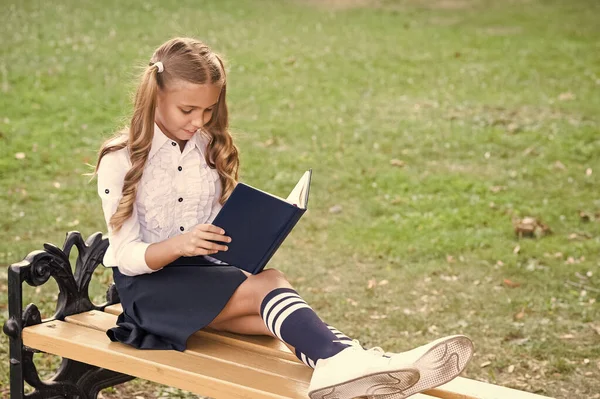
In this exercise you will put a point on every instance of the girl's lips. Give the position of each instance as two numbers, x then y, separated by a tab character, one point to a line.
188	132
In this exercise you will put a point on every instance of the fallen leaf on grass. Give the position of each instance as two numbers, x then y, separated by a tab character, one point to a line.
397	162
520	315
335	209
510	283
566	96
20	155
378	316
351	301
530	227
586	216
371	284
559	165
485	364
567	336
511	368
497	189
516	249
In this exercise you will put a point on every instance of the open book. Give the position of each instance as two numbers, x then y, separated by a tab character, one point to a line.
258	222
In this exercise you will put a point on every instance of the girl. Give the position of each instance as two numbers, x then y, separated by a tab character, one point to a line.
162	181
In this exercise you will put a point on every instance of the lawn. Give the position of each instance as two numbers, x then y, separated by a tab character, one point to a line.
432	127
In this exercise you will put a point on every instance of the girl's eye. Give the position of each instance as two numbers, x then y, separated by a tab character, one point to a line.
186	112
208	110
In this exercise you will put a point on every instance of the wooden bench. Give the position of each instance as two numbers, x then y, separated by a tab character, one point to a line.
216	364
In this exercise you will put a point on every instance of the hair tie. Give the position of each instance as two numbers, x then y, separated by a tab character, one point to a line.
159	65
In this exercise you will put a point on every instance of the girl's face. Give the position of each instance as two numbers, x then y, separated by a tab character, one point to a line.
185	107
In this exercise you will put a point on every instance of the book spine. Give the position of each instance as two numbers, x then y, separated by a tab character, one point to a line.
284	233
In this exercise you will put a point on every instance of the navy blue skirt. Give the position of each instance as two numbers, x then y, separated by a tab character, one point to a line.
161	310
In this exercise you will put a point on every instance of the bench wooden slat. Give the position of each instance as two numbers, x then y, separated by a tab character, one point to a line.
459	388
201	375
260	344
207	347
466	388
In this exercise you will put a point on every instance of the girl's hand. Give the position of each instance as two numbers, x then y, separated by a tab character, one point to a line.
195	242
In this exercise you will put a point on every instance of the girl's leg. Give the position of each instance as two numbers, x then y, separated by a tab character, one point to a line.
284	313
249	325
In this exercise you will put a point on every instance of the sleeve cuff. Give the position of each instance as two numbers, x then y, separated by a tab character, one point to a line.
134	262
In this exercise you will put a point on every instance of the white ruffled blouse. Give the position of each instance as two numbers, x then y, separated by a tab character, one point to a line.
177	191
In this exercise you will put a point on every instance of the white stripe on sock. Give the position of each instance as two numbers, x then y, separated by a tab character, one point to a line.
277	309
304	359
274	300
285	314
311	363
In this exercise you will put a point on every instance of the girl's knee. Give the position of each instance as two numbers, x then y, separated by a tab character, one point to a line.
273	278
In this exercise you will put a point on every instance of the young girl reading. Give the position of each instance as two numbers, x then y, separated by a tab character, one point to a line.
162	181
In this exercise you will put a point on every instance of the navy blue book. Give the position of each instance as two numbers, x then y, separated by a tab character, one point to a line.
258	222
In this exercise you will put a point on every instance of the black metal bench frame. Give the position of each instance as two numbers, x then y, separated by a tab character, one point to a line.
72	379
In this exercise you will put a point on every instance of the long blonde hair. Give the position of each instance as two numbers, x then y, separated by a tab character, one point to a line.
184	59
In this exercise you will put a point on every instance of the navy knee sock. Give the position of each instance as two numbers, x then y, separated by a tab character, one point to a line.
291	320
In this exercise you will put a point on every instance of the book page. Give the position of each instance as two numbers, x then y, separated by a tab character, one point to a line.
299	194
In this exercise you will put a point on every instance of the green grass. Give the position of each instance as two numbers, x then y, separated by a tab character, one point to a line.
480	99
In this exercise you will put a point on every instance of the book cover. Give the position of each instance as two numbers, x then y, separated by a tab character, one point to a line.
258	222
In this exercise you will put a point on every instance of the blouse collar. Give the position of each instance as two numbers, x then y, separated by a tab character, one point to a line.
159	139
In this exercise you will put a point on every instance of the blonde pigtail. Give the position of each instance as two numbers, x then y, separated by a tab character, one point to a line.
139	142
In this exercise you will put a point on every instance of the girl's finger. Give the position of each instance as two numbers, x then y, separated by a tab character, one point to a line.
214	237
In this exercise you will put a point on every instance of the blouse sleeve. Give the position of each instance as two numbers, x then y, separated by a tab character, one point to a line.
128	248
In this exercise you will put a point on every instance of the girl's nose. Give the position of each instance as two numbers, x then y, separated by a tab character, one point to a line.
198	123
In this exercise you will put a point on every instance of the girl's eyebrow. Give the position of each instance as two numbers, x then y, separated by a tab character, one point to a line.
193	106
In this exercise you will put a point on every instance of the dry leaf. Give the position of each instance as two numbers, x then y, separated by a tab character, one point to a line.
372	283
516	249
485	364
530	227
20	155
566	96
450	259
567	336
497	189
511	284
588	172
351	301
335	209
585	216
56	184
383	282
559	165
511	368
520	315
397	162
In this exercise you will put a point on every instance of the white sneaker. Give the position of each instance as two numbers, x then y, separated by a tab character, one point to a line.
358	372
438	362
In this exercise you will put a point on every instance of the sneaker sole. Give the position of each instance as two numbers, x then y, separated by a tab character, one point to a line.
440	364
378	384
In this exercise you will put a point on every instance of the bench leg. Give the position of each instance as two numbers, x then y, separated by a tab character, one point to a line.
73	379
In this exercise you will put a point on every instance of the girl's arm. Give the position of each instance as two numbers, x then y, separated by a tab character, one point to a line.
127	250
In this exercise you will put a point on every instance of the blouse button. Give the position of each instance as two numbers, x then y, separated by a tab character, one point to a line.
107	191
180	200
181	228
173	143
179	168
